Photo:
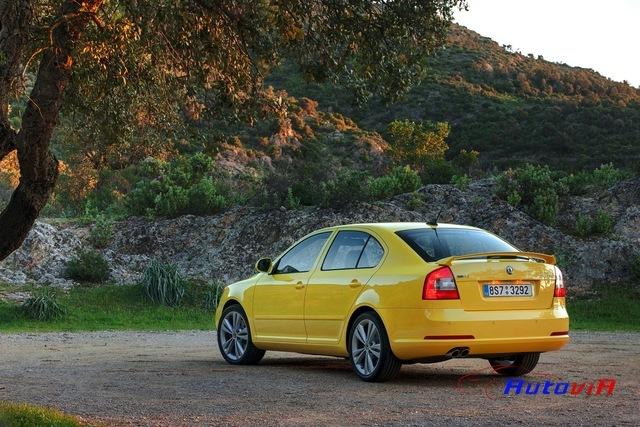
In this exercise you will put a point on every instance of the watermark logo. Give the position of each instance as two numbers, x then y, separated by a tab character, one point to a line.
515	386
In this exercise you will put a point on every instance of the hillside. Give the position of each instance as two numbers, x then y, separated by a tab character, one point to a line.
511	107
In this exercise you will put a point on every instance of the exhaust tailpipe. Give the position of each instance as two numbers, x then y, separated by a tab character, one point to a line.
458	352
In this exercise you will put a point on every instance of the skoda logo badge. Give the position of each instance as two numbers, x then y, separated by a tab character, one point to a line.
509	269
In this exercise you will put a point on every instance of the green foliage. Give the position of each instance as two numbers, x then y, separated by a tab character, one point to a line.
43	305
212	295
415	202
535	188
415	143
461	181
582	227
88	266
634	266
347	187
467	160
400	180
438	171
109	307
162	284
101	233
27	415
602	223
602	177
291	201
616	306
179	187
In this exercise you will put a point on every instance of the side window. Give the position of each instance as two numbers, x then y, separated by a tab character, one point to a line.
301	257
348	249
371	255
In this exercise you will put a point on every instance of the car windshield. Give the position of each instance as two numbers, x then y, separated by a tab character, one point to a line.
433	244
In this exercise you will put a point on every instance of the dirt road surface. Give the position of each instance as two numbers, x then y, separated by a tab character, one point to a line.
131	378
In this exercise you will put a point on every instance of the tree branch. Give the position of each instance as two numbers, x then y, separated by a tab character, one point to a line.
38	166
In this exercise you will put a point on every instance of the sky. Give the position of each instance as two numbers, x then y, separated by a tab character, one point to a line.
602	35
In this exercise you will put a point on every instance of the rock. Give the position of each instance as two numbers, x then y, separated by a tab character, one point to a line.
226	246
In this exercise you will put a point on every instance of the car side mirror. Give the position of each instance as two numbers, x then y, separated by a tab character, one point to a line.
263	265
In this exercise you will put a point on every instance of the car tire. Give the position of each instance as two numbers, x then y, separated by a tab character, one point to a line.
369	349
234	338
516	365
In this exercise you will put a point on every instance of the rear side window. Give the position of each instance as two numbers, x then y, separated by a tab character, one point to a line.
353	249
433	244
301	257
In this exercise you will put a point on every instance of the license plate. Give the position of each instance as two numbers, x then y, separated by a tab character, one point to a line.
507	290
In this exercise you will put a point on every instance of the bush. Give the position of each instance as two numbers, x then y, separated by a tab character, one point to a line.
438	171
179	187
88	266
415	202
603	177
162	284
461	181
101	233
399	181
602	223
635	267
212	295
43	305
347	187
414	143
535	188
582	227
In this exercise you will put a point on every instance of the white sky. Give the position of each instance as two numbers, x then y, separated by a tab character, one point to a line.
597	34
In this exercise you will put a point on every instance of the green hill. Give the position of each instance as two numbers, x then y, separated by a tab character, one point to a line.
511	107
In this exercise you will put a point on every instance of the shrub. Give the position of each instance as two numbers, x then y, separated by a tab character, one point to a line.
602	223
438	171
101	233
635	267
413	143
212	295
535	188
291	201
347	187
415	202
179	187
43	305
461	181
604	176
162	284
400	180
582	227
88	266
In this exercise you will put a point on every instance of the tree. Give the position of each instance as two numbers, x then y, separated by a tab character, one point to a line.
120	61
416	144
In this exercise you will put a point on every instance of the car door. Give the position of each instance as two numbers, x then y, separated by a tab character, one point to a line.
350	262
278	304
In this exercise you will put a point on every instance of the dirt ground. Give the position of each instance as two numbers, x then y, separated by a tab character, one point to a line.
130	378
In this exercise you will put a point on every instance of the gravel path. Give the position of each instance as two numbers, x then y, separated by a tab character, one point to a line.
179	378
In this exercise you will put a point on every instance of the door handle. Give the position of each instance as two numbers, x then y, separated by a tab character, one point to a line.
299	285
355	283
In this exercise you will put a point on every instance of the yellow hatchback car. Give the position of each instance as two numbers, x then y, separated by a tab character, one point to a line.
392	293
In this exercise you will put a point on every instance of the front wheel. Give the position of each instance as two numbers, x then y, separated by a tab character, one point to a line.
516	365
371	355
234	338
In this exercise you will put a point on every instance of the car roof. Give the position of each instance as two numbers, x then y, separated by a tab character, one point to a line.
398	226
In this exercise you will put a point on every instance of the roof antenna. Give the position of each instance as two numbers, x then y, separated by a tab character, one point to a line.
434	222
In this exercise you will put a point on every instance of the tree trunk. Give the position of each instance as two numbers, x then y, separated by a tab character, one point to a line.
38	166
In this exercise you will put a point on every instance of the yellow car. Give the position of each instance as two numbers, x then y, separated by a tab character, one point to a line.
392	293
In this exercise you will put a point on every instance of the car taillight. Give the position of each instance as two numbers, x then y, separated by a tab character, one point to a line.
440	284
560	290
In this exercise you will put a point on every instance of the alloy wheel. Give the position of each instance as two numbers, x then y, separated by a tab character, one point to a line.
234	335
365	347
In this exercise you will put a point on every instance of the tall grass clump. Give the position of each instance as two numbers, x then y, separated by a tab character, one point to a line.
162	284
212	295
43	305
88	266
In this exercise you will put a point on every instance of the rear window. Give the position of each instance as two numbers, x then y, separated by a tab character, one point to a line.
434	244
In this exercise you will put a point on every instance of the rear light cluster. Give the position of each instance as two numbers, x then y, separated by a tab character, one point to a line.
440	284
560	290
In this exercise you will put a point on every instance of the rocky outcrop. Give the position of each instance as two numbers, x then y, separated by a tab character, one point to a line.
225	246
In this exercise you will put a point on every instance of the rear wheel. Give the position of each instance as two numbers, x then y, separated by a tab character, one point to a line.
234	338
371	355
516	365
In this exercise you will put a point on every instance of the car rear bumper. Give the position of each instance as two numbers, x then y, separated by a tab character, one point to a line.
424	333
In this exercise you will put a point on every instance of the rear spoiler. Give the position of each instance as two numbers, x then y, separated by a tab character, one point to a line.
549	259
